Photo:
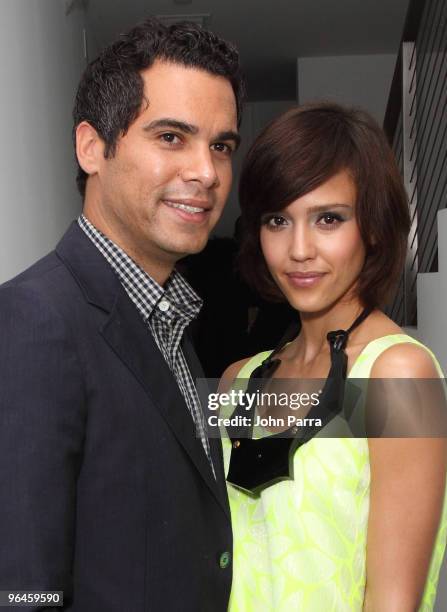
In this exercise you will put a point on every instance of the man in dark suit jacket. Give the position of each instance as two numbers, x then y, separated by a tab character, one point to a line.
110	489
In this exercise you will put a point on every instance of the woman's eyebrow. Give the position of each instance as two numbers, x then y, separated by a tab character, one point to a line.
325	207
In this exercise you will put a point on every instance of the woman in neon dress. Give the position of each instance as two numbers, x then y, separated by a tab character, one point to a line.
362	524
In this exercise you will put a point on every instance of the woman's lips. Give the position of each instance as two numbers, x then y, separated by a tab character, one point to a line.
304	279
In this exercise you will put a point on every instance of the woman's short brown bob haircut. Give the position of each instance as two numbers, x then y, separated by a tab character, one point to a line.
301	150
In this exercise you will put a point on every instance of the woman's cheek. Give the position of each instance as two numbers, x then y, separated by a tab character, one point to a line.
272	248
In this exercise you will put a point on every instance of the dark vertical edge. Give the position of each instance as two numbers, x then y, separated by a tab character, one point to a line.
412	20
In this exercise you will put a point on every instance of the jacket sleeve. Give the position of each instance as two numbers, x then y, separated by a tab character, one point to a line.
42	423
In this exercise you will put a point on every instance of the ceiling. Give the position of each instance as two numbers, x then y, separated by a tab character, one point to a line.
270	34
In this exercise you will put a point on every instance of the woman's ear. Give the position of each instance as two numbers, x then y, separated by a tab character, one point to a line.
372	242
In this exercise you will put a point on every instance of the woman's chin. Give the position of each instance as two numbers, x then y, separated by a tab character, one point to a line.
309	305
306	299
313	302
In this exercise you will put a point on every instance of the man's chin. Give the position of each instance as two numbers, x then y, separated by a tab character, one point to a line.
191	247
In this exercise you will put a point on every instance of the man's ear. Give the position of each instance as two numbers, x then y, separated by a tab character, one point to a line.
89	148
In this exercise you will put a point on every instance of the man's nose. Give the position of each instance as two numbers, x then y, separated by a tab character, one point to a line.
200	167
302	245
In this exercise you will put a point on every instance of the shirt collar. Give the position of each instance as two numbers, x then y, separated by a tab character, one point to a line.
142	289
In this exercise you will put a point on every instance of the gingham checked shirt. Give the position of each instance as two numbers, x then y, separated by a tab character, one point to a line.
166	310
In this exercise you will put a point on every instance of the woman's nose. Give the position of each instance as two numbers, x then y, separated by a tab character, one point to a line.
302	245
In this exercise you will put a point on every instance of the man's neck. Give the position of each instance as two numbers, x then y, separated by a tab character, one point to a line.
158	270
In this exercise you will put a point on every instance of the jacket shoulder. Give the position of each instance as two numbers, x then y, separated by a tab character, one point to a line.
37	271
46	282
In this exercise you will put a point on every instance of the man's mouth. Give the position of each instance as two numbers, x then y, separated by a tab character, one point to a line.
187	208
190	210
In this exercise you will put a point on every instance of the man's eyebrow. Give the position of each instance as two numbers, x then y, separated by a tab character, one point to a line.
229	135
175	124
324	207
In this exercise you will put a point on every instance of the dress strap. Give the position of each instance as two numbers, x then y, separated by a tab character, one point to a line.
252	364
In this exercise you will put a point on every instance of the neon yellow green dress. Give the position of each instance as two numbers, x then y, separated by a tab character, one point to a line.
301	544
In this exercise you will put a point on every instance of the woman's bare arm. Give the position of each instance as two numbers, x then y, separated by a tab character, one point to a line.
407	490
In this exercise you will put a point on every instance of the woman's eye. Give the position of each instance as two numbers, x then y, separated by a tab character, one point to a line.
329	219
170	138
275	221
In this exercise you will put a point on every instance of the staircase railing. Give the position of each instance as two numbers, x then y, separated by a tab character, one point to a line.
416	125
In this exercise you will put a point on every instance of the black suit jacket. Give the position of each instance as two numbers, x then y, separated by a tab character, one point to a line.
105	491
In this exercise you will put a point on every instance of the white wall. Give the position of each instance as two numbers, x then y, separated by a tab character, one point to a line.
42	60
255	118
354	80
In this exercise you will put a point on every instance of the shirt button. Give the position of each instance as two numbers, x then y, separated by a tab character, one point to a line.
224	560
164	305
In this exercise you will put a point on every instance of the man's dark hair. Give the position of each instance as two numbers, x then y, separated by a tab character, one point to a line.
301	150
111	92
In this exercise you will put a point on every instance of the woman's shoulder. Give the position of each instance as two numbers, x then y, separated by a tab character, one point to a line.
231	373
405	357
241	369
390	352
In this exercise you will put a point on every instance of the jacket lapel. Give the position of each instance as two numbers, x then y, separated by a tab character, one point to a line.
131	340
215	443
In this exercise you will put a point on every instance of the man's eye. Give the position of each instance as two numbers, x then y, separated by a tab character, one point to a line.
222	147
170	138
